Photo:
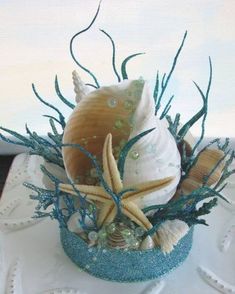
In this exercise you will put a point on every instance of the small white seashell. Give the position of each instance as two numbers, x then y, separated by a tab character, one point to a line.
170	233
147	243
80	88
73	223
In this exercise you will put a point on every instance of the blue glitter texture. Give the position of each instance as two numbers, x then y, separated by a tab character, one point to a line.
124	266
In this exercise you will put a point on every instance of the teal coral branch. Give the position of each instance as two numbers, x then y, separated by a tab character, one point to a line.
167	107
24	141
71	48
124	64
59	94
52	117
127	148
205	98
113	55
182	132
156	88
61	117
164	82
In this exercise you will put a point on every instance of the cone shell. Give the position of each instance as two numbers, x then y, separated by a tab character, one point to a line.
207	160
124	110
187	187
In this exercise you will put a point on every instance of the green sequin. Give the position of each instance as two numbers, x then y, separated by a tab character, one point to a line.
119	123
134	154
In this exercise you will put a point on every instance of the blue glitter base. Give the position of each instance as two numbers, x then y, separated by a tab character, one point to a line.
124	266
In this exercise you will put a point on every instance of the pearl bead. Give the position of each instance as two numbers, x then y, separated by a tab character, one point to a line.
126	233
111	228
92	236
139	232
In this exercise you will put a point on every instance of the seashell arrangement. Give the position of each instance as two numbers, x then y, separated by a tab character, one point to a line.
130	165
124	110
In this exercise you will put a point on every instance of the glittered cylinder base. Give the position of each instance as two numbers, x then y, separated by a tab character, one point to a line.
124	266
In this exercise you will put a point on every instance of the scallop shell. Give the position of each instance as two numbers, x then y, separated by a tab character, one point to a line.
170	233
125	110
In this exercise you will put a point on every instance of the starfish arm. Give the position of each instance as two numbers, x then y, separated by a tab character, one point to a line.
132	211
111	173
106	215
95	193
143	189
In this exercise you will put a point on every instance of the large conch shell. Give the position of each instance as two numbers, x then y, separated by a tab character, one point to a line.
208	160
124	110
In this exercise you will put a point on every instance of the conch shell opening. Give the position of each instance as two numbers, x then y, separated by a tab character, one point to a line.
124	110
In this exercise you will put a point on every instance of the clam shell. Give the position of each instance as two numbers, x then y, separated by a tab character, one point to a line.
147	243
124	110
170	233
207	160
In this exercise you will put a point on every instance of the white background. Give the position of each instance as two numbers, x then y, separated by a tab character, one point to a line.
34	46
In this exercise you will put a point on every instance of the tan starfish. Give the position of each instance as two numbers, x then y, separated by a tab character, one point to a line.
112	177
